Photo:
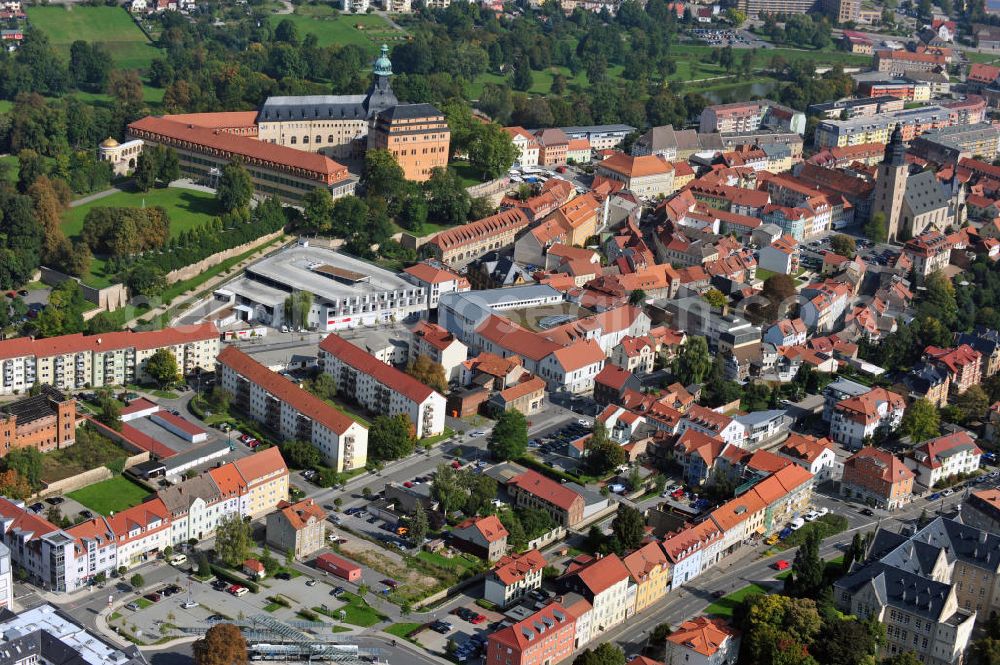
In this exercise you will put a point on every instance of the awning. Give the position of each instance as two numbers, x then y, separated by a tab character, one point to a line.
761	530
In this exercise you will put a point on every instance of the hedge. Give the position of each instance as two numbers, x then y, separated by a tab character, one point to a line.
230	576
546	470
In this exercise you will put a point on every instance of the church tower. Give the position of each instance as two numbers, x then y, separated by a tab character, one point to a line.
380	95
891	183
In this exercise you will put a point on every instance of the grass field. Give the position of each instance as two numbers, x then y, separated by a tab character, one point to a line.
826	526
402	629
115	494
111	26
186	208
724	606
358	612
366	31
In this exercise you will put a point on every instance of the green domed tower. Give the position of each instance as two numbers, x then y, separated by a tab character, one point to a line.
380	95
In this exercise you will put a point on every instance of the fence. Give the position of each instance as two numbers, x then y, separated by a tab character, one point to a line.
547	538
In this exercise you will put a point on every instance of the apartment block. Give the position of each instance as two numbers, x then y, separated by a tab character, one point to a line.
877	477
381	388
856	419
73	362
513	576
291	411
297	527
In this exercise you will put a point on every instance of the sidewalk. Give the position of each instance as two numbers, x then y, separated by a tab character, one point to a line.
96	196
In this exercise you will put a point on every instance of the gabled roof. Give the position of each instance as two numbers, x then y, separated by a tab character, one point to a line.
387	375
645	560
526	632
489	527
298	514
547	489
513	568
298	398
935	452
601	574
880	463
703	635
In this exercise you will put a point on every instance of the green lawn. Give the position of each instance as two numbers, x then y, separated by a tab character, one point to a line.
463	561
358	612
111	26
724	606
186	208
366	31
113	495
827	526
468	175
402	629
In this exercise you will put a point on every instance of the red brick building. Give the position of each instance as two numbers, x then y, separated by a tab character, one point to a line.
545	638
46	421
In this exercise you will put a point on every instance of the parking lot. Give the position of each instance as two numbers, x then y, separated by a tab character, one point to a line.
467	626
552	446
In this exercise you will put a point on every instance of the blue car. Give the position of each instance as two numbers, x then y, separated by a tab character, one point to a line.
934	497
785	533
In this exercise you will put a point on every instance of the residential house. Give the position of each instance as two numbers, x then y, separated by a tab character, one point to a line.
612	382
546	637
930	251
604	583
781	256
646	176
513	576
943	457
962	363
297	528
697	452
533	490
484	537
526	144
435	278
692	550
982	510
380	388
713	424
855	420
635	354
877	477
987	342
703	641
787	332
650	572
553	146
439	345
816	456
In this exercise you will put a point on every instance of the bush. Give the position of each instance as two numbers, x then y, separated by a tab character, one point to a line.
308	615
485	604
231	577
279	600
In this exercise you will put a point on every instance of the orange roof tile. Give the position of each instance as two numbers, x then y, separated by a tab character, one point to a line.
702	635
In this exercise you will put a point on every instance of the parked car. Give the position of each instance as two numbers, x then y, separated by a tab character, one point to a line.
392	584
238	590
282	576
868	512
37	507
948	492
780	564
796	524
153	597
188	604
54	500
310	582
337	591
132	606
934	497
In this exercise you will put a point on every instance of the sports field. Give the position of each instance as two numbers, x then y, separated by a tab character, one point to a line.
368	31
112	26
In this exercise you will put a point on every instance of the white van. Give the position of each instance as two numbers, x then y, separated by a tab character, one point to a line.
178	560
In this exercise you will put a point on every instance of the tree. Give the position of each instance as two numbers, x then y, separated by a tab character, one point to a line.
419	524
509	439
297	307
877	229
235	188
448	201
601	454
607	653
389	438
136	581
14	485
491	151
629	526
921	421
428	372
233	540
383	177
27	462
715	298
844	245
985	651
845	642
301	455
939	300
109	411
693	361
523	78
637	298
162	367
905	658
223	644
808	567
972	403
323	386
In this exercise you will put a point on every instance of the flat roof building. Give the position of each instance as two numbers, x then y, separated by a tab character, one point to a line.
347	292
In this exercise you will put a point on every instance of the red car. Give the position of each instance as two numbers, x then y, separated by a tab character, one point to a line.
456	465
780	564
245	437
479	618
407	484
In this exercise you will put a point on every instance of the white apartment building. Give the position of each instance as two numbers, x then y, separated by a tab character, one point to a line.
713	424
943	457
380	388
436	279
293	412
605	584
73	362
513	576
856	419
433	341
526	144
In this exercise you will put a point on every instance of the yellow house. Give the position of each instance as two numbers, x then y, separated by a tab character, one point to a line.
266	478
650	570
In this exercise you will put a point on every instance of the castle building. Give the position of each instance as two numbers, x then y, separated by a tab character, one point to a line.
417	135
334	125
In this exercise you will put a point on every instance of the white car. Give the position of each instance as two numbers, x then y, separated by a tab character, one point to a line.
797	524
477	433
585	423
810	516
948	492
820	512
189	604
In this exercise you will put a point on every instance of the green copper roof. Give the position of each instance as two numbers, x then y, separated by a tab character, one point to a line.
383	67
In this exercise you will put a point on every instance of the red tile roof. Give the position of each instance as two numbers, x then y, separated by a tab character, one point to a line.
513	568
260	466
636	167
425	272
298	398
702	635
489	527
298	514
645	560
364	362
140	517
602	574
312	165
77	343
546	489
218	120
552	617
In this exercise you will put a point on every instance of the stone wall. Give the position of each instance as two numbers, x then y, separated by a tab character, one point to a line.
492	190
108	299
195	269
76	482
